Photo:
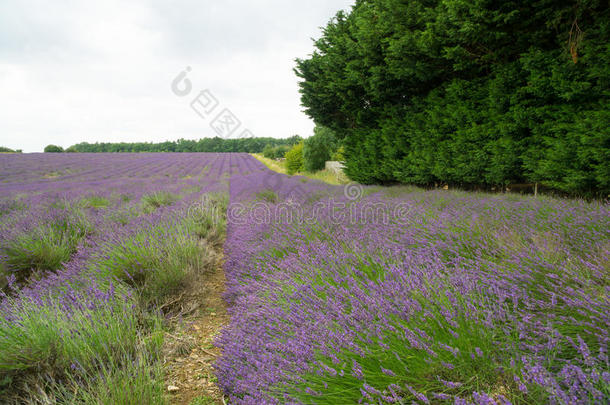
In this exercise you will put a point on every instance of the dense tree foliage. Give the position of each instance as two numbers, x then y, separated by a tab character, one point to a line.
338	155
319	148
467	92
275	152
294	159
53	149
247	145
4	149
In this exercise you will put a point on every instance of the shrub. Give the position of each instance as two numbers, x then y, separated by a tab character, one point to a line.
131	382
268	151
47	246
53	149
9	205
59	332
95	201
318	148
294	159
151	202
269	196
208	220
78	345
338	155
156	261
122	216
275	152
4	274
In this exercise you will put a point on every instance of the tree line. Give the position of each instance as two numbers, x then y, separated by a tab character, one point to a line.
216	144
466	92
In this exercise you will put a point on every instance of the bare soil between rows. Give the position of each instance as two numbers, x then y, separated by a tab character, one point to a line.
190	353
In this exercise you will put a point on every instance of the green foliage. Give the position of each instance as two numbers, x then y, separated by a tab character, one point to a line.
94	354
268	195
53	149
46	247
71	149
95	201
463	336
216	144
318	148
294	159
275	152
135	383
150	202
4	273
9	205
338	155
466	93
156	261
207	220
8	150
48	338
122	216
202	400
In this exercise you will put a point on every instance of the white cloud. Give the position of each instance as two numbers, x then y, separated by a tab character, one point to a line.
73	71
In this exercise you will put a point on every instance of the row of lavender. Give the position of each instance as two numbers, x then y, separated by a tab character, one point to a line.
413	296
90	245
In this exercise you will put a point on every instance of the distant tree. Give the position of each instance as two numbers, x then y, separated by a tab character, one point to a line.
318	148
71	149
4	149
243	145
275	152
268	151
293	140
53	149
294	159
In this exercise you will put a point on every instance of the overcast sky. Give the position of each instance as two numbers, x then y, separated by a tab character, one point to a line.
80	70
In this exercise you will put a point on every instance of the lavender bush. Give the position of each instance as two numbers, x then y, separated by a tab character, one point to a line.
459	298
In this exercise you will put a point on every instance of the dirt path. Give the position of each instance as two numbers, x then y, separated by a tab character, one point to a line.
191	353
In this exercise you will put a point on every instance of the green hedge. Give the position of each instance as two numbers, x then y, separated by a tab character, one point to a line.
469	93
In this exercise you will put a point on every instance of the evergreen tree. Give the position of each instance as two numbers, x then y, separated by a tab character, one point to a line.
467	92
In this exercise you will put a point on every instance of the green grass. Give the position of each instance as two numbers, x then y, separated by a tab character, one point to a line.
325	176
191	190
202	400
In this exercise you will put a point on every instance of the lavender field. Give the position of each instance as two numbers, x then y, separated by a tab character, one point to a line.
336	295
91	248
